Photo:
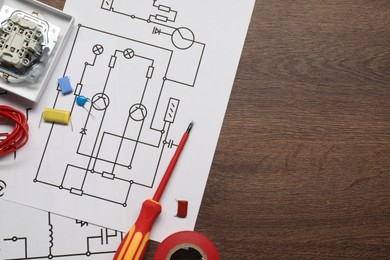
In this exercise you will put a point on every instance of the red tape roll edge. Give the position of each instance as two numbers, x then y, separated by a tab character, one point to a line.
185	239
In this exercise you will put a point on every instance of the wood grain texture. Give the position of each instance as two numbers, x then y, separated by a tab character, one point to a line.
302	168
55	3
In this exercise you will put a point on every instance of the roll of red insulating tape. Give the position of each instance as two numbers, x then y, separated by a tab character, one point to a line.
186	239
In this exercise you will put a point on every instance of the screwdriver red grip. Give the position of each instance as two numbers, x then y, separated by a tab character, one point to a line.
133	246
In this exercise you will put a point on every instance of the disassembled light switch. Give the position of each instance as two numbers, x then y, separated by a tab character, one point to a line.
26	41
32	37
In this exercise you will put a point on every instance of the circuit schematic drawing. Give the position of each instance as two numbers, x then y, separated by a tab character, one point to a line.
51	236
133	86
152	10
135	80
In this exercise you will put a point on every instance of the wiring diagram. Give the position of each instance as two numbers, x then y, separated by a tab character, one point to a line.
108	140
144	69
52	236
109	144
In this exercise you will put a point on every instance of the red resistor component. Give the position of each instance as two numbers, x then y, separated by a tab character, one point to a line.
182	207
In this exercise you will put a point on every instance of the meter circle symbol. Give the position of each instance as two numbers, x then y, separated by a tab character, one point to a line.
183	38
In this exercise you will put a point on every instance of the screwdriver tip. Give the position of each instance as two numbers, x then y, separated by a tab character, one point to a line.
189	127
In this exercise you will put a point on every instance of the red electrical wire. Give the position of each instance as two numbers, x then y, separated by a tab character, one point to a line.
19	136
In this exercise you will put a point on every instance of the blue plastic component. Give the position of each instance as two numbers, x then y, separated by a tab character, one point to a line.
81	100
65	86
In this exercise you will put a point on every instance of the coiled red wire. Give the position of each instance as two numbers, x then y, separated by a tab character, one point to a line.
19	136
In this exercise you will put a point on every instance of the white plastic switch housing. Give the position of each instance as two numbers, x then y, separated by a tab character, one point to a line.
32	36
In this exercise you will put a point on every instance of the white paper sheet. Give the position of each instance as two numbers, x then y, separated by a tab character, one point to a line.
149	68
28	233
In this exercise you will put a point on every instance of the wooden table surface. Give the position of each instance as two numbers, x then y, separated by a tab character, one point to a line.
302	168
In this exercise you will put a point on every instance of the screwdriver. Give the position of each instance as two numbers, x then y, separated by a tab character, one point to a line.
133	246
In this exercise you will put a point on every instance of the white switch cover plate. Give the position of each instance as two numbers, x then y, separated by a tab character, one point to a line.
59	25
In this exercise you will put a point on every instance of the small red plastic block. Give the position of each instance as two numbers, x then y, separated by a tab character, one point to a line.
182	207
